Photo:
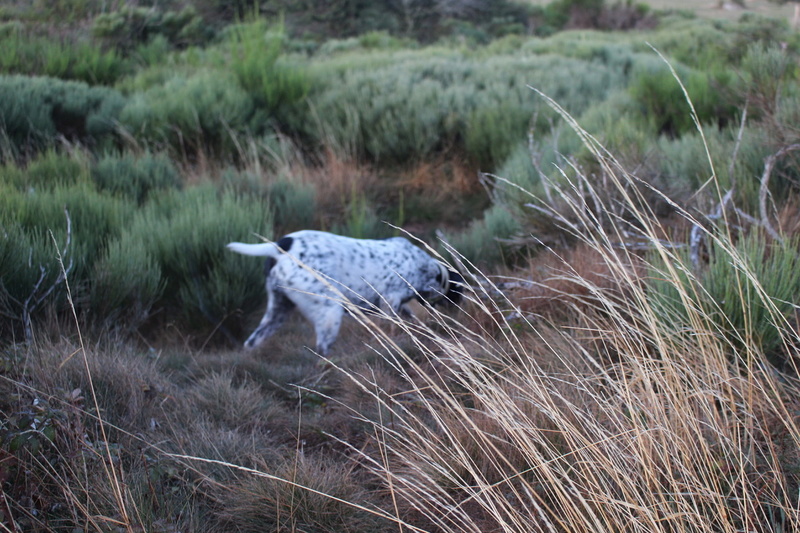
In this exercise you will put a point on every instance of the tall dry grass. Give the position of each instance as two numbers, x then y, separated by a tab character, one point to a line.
619	419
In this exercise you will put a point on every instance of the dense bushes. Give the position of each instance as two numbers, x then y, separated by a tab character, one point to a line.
127	251
35	112
410	105
186	234
256	58
746	292
135	177
26	53
130	27
189	114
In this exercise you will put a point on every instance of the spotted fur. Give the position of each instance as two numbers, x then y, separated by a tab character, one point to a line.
312	270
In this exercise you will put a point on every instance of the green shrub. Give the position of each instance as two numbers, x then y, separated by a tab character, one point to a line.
767	73
34	112
46	171
94	219
663	104
186	233
696	43
273	81
294	204
492	133
25	53
682	165
204	111
480	244
30	250
130	27
404	106
27	260
126	283
747	292
135	177
361	221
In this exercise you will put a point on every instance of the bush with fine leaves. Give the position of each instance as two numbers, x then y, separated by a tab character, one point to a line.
135	177
185	233
187	114
36	111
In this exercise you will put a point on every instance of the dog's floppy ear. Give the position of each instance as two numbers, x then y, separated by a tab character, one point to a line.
453	287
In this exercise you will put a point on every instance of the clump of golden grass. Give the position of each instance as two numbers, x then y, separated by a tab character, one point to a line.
617	420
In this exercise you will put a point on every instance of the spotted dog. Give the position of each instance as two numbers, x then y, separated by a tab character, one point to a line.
312	270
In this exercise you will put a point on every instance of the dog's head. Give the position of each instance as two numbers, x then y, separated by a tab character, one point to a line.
452	285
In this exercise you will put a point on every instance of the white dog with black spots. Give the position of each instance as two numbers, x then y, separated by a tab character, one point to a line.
313	270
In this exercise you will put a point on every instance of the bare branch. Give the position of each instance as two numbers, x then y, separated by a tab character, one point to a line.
769	165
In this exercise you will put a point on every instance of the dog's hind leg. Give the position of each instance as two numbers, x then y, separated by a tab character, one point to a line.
326	316
278	309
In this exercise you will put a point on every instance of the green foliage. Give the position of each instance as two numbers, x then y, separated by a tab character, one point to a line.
405	106
48	170
294	204
27	257
26	53
135	177
767	72
746	291
361	221
683	164
204	111
126	283
695	43
417	19
480	243
130	27
186	233
35	111
493	132
559	12
663	104
95	218
256	58
34	231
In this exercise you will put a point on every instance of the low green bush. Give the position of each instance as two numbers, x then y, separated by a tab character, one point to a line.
361	221
48	170
205	285
664	107
747	290
29	270
129	27
36	111
481	243
135	177
125	285
202	112
294	204
405	106
94	218
256	58
34	228
29	54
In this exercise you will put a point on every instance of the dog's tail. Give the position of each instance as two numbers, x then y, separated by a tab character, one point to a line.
266	249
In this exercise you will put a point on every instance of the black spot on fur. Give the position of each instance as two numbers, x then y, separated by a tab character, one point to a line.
285	243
